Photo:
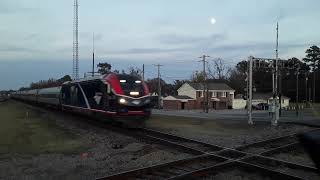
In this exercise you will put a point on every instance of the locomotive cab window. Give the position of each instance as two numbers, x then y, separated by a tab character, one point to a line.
131	85
95	93
72	95
65	95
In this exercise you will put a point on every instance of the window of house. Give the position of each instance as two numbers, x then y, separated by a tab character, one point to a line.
224	94
210	94
199	93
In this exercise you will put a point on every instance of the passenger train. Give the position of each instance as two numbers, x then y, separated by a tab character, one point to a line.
116	97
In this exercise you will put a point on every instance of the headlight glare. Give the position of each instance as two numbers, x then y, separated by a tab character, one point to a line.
122	101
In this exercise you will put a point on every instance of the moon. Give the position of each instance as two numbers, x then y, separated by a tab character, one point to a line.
212	20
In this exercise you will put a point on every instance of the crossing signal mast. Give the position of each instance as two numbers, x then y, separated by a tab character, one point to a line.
75	67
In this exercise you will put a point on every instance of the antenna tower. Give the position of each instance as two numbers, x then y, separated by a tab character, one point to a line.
75	67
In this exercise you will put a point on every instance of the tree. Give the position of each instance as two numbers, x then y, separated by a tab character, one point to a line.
237	81
134	71
197	77
219	70
261	78
289	79
178	83
313	59
104	68
153	86
65	79
116	71
241	67
23	89
49	83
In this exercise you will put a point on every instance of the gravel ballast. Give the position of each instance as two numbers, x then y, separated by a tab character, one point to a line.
106	153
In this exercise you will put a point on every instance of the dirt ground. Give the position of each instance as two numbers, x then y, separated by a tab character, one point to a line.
227	134
40	144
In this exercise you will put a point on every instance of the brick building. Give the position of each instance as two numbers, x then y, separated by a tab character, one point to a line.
178	102
190	96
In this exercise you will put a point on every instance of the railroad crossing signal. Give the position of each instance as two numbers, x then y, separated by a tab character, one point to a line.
269	63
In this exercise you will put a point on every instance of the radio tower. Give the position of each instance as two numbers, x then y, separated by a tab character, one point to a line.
75	68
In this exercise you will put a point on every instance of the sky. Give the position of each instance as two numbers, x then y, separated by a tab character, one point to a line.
36	36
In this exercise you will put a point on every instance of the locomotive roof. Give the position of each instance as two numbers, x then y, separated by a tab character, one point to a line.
91	78
99	77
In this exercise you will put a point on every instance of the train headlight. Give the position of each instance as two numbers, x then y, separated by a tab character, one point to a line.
122	101
133	93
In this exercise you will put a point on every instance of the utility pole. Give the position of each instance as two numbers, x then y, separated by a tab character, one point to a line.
247	87
306	88
142	72
297	89
93	55
249	106
159	86
314	83
205	84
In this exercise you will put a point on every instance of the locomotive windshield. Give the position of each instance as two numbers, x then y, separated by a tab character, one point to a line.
131	86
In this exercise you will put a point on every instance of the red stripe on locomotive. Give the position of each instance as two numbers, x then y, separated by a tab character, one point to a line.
113	80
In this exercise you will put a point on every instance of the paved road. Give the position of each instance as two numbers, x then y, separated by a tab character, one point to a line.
305	116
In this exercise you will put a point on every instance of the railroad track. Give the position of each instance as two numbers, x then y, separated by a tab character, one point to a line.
190	145
210	159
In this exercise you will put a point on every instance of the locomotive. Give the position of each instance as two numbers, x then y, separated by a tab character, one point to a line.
117	97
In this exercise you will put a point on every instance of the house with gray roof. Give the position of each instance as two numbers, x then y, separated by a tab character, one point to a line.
191	96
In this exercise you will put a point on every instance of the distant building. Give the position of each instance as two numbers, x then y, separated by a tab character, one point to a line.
154	100
257	98
179	102
239	102
190	96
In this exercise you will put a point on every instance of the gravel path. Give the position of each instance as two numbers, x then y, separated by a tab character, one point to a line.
107	153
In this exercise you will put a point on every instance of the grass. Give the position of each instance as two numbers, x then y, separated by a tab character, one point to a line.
316	109
24	130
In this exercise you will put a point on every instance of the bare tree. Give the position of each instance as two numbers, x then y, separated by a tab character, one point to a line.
219	70
135	71
197	77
